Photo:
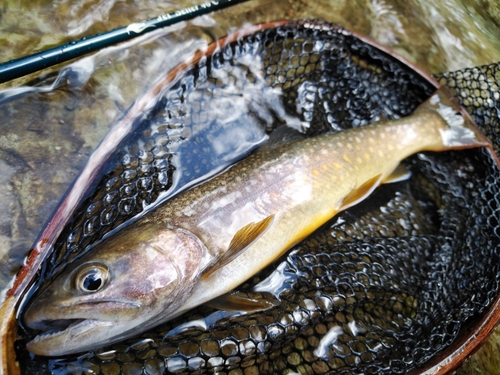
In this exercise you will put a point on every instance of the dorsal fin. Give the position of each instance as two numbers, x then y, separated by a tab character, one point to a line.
280	136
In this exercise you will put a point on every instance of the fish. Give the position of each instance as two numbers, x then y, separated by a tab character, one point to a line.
200	245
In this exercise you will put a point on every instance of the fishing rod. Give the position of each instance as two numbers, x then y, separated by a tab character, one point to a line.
25	65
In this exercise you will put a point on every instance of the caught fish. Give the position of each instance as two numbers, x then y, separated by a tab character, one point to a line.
205	242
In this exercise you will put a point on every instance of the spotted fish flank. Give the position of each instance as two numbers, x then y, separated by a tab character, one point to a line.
208	240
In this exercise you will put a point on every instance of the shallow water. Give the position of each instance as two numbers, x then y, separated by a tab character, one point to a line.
47	134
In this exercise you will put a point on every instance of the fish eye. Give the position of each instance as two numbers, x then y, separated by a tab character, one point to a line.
92	278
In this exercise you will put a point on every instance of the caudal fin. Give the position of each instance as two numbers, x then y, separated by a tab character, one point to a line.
461	132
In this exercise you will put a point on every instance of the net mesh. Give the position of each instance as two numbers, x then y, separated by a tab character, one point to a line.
382	288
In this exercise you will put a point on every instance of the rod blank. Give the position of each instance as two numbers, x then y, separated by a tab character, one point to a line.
41	60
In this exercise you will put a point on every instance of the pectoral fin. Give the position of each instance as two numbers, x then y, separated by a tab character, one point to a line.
401	173
241	240
242	302
360	193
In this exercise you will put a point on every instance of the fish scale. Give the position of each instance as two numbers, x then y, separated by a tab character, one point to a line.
324	163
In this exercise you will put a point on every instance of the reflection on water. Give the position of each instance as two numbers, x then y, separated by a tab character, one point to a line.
205	323
328	341
279	280
49	131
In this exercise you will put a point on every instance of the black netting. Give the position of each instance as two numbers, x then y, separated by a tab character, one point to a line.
382	288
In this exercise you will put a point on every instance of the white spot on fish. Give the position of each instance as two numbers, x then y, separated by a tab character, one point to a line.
226	200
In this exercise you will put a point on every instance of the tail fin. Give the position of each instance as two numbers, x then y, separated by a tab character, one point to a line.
462	132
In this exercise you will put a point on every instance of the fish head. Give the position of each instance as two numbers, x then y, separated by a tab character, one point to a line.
126	284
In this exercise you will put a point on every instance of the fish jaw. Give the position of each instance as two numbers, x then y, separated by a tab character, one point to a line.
85	330
67	328
138	277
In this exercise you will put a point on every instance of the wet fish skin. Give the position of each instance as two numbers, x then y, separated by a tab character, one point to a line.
290	189
146	273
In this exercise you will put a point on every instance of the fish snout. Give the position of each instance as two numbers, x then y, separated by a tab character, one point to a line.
34	316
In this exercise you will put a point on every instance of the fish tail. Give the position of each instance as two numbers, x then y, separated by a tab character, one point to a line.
460	131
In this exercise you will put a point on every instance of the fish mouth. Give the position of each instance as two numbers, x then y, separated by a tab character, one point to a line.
52	326
54	330
60	335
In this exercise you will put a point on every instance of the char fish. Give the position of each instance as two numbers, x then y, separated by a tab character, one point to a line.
203	243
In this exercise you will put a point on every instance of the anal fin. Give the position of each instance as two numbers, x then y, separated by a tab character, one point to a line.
361	192
401	173
241	240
